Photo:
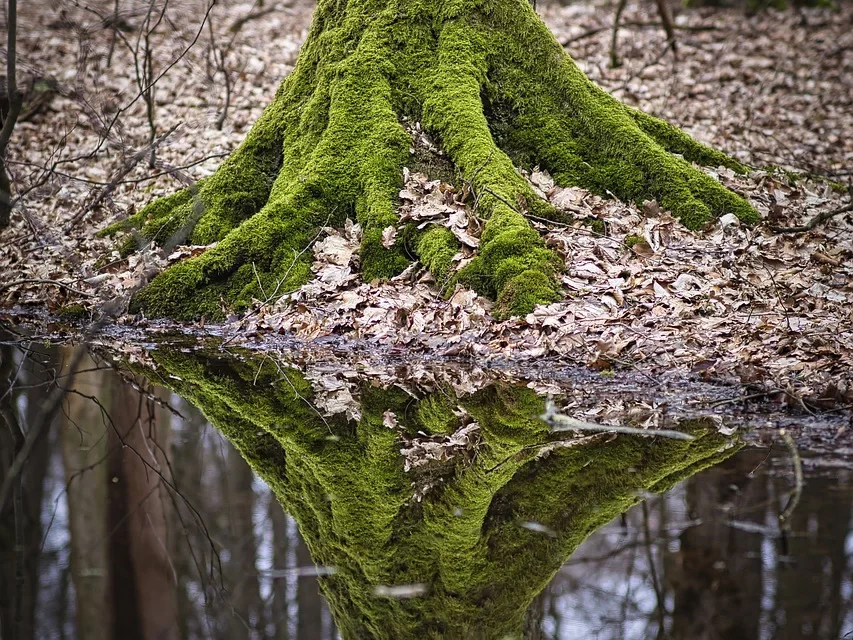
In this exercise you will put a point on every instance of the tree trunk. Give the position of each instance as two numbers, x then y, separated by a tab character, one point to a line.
20	520
488	80
5	196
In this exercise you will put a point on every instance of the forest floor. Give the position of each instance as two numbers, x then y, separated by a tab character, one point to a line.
773	311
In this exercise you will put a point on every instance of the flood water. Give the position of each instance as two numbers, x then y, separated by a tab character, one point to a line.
192	493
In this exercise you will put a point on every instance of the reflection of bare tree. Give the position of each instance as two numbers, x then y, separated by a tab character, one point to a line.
309	599
20	519
281	542
533	617
240	570
143	581
810	593
716	573
84	450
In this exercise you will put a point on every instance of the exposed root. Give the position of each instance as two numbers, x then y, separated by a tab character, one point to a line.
496	90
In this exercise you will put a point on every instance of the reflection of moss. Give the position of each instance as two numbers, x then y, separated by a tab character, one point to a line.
353	501
73	312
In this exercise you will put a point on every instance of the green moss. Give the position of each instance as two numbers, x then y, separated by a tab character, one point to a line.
74	312
596	224
436	247
353	503
523	292
630	241
513	265
493	87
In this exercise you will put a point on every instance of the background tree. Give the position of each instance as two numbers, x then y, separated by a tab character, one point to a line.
9	110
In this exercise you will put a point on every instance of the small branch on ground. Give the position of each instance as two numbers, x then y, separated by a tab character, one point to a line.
56	283
561	422
815	221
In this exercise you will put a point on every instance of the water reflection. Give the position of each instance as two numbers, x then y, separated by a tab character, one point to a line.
136	518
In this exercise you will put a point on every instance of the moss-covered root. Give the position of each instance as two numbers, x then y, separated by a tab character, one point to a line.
207	211
344	152
548	112
513	265
436	247
262	259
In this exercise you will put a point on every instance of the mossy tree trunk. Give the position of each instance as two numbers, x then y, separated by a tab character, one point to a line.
488	80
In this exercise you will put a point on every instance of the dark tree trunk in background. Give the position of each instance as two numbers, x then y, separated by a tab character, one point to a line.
20	521
146	601
247	616
84	449
716	573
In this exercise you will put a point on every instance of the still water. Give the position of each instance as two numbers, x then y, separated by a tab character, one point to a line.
199	493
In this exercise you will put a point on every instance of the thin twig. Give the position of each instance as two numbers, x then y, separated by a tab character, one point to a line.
57	283
815	221
796	461
614	57
119	175
562	422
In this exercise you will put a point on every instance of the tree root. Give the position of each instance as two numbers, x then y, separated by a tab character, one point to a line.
489	82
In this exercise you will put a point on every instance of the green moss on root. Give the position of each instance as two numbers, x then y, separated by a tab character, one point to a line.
436	247
74	312
490	83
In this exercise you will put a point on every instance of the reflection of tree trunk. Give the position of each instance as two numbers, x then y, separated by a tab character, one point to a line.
309	600
84	448
809	594
279	562
20	521
533	617
834	518
716	574
245	597
144	582
189	450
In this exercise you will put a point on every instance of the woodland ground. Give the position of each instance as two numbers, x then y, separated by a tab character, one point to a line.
641	292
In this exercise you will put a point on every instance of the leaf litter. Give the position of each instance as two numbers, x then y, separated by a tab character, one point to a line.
730	304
